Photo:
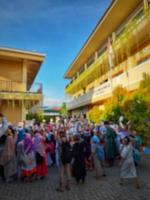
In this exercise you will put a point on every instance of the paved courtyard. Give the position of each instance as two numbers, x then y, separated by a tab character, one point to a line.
106	188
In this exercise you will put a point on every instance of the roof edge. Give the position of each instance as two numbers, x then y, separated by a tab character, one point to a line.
86	42
22	51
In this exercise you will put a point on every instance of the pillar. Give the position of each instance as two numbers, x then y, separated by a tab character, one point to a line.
95	56
24	74
85	66
145	4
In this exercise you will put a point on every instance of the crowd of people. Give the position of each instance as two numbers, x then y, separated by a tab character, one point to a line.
72	145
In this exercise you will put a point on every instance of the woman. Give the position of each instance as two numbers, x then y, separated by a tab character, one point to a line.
26	158
63	159
128	169
98	156
40	152
110	145
137	148
8	157
78	168
87	142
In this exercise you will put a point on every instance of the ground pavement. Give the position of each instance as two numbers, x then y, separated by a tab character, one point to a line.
107	188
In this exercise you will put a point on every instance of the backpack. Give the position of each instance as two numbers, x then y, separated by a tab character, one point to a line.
100	152
66	153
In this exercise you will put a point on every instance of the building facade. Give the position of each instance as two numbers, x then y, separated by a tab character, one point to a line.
116	53
18	94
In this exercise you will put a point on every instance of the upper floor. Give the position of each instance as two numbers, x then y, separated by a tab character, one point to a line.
123	42
18	70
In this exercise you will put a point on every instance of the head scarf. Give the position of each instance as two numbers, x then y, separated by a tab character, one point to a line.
28	144
38	144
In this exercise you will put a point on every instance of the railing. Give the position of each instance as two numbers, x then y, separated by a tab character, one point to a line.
130	81
16	86
129	29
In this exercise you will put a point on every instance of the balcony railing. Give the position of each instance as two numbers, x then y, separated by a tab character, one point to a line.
16	86
129	29
104	91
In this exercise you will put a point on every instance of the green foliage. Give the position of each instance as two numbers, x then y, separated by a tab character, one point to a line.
119	94
63	110
135	107
112	112
145	86
94	115
35	116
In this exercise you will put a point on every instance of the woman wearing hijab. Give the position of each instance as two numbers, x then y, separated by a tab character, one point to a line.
8	157
21	132
98	156
26	158
40	152
63	160
78	168
110	144
128	169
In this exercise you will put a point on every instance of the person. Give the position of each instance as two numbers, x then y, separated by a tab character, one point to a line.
26	159
78	163
3	124
48	148
98	156
137	147
40	153
110	144
3	128
64	160
8	158
87	142
128	169
21	132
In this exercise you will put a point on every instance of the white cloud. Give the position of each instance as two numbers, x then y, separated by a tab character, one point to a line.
52	102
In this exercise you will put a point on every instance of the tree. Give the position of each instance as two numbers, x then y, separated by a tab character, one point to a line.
94	115
119	94
63	110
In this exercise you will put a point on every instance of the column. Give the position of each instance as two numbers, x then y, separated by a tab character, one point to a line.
24	74
85	66
24	112
145	4
24	80
95	56
110	61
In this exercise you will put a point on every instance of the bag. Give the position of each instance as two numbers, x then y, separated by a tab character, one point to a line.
66	153
100	152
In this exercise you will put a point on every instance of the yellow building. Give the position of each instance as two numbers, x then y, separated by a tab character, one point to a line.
18	70
116	53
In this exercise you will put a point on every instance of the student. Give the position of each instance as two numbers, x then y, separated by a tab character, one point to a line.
8	158
78	168
128	169
65	157
98	156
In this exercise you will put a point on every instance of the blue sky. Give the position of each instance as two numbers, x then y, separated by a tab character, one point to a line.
57	28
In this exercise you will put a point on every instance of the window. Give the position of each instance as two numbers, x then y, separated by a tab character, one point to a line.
90	61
